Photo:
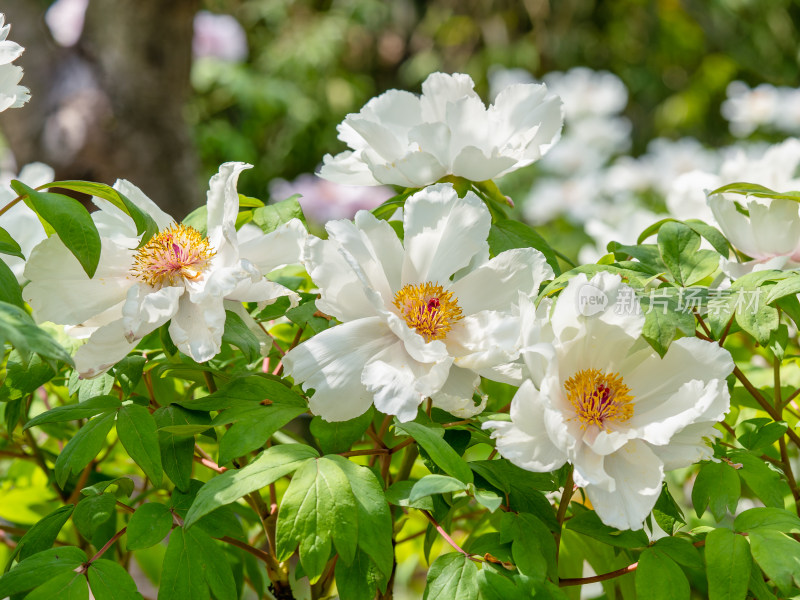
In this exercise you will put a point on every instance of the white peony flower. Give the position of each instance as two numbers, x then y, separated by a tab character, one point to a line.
12	95
587	93
412	141
601	399
21	222
748	109
178	275
420	318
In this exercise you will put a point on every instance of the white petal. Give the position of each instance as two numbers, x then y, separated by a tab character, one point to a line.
688	446
379	138
427	352
197	327
105	348
638	474
60	291
147	309
114	221
273	250
342	292
496	285
440	89
524	441
775	225
734	225
442	233
399	383
347	168
486	339
455	396
331	363
375	248
413	170
223	206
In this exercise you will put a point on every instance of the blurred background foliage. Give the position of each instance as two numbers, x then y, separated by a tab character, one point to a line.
312	62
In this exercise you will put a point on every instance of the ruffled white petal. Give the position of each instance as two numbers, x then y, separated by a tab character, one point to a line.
197	327
456	394
442	233
223	206
331	363
105	348
273	250
146	309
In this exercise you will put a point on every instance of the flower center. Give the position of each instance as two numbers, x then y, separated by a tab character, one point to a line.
428	309
599	398
179	252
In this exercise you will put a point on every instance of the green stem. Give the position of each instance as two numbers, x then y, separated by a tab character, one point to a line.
569	489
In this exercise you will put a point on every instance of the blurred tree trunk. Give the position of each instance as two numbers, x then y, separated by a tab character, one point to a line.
112	106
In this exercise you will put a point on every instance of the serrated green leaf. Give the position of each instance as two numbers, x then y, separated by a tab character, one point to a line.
318	508
39	568
452	577
148	526
71	222
71	412
83	447
716	487
109	581
727	565
138	433
431	440
92	512
271	465
659	578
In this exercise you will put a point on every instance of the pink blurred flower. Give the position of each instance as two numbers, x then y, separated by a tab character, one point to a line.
219	36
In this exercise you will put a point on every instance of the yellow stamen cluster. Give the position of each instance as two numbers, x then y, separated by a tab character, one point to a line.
428	309
177	253
599	398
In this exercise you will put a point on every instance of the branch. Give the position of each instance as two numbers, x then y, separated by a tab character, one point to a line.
598	578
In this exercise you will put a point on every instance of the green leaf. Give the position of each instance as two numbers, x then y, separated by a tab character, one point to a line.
72	412
431	440
148	526
760	322
659	578
39	568
272	216
533	548
778	556
712	234
138	433
681	550
9	288
663	318
587	522
70	220
182	573
318	508
435	484
271	465
667	513
766	483
89	388
753	189
374	516
452	577
8	245
42	535
145	224
23	378
252	426
177	450
66	586
128	372
679	247
244	391
198	220
123	485
359	580
716	487
762	432
727	565
213	564
92	512
109	581
488	499
18	329
507	234
339	436
494	586
83	447
238	334
765	517
399	493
